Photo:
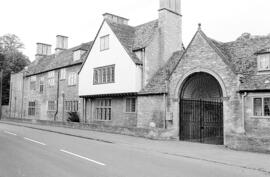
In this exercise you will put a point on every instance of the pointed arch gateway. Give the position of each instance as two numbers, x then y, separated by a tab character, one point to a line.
201	109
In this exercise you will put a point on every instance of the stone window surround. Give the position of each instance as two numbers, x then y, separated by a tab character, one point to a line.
72	79
71	105
130	111
253	96
106	107
31	108
63	74
51	106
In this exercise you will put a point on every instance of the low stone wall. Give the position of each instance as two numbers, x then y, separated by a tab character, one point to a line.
158	134
248	143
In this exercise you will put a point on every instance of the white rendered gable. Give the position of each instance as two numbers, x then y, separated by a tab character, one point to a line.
127	73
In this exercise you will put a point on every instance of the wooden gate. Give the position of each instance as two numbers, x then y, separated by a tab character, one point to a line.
201	121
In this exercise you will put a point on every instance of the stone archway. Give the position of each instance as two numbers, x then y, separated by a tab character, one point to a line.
201	109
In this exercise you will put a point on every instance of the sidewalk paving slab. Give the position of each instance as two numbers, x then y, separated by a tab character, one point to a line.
205	152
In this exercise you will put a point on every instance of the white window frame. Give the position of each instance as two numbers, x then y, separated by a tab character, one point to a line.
263	62
263	111
100	72
104	42
63	74
72	79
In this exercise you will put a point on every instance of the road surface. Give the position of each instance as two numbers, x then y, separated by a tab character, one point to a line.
26	152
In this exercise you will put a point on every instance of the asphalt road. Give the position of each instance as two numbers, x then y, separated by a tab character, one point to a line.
26	152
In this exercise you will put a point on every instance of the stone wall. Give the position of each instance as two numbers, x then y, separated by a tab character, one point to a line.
66	92
151	110
202	57
119	115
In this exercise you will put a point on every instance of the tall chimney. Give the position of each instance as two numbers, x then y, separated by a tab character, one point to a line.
61	43
170	27
43	50
116	18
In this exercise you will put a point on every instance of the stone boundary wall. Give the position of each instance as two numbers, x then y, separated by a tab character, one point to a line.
5	111
156	134
248	143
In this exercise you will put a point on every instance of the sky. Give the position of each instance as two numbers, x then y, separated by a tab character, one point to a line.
41	20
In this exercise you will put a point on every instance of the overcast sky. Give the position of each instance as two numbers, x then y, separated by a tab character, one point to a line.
41	20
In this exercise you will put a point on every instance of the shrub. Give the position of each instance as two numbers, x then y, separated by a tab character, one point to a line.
73	117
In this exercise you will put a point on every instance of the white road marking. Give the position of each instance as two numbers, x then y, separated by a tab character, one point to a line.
10	133
35	141
85	158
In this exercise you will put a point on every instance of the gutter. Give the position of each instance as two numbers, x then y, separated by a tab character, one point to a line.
22	96
243	111
57	96
165	104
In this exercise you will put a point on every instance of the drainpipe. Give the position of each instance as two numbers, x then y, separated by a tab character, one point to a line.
165	104
63	109
243	111
10	100
22	96
57	96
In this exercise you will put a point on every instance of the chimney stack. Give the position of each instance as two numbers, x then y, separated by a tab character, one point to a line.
116	18
61	43
43	50
170	25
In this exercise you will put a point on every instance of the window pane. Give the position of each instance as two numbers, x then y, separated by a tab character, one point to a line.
257	106
133	105
128	105
266	106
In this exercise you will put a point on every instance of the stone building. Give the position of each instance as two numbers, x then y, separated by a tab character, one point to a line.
122	61
213	92
48	88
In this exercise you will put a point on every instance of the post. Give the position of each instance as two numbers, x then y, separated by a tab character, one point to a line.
1	79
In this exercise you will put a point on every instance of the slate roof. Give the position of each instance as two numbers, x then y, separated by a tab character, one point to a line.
157	84
134	38
242	54
51	62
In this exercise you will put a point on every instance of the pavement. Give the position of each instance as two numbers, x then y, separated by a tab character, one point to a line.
204	153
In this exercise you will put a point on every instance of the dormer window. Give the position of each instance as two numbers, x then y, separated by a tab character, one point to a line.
78	54
104	43
263	60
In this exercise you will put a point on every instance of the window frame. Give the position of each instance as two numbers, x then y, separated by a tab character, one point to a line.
72	79
262	97
51	106
32	108
259	62
63	74
130	109
107	71
33	81
101	108
51	79
41	85
71	105
102	41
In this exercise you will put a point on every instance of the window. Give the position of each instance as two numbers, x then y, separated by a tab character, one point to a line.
33	80
261	107
130	105
104	110
78	54
62	74
51	105
41	85
263	62
71	106
51	79
104	75
32	108
104	43
72	79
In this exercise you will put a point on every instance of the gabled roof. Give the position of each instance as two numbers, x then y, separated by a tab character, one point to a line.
157	84
55	61
134	38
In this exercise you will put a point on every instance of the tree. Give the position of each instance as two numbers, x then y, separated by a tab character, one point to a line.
11	60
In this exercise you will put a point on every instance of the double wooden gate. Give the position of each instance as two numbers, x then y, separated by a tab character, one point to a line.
201	121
